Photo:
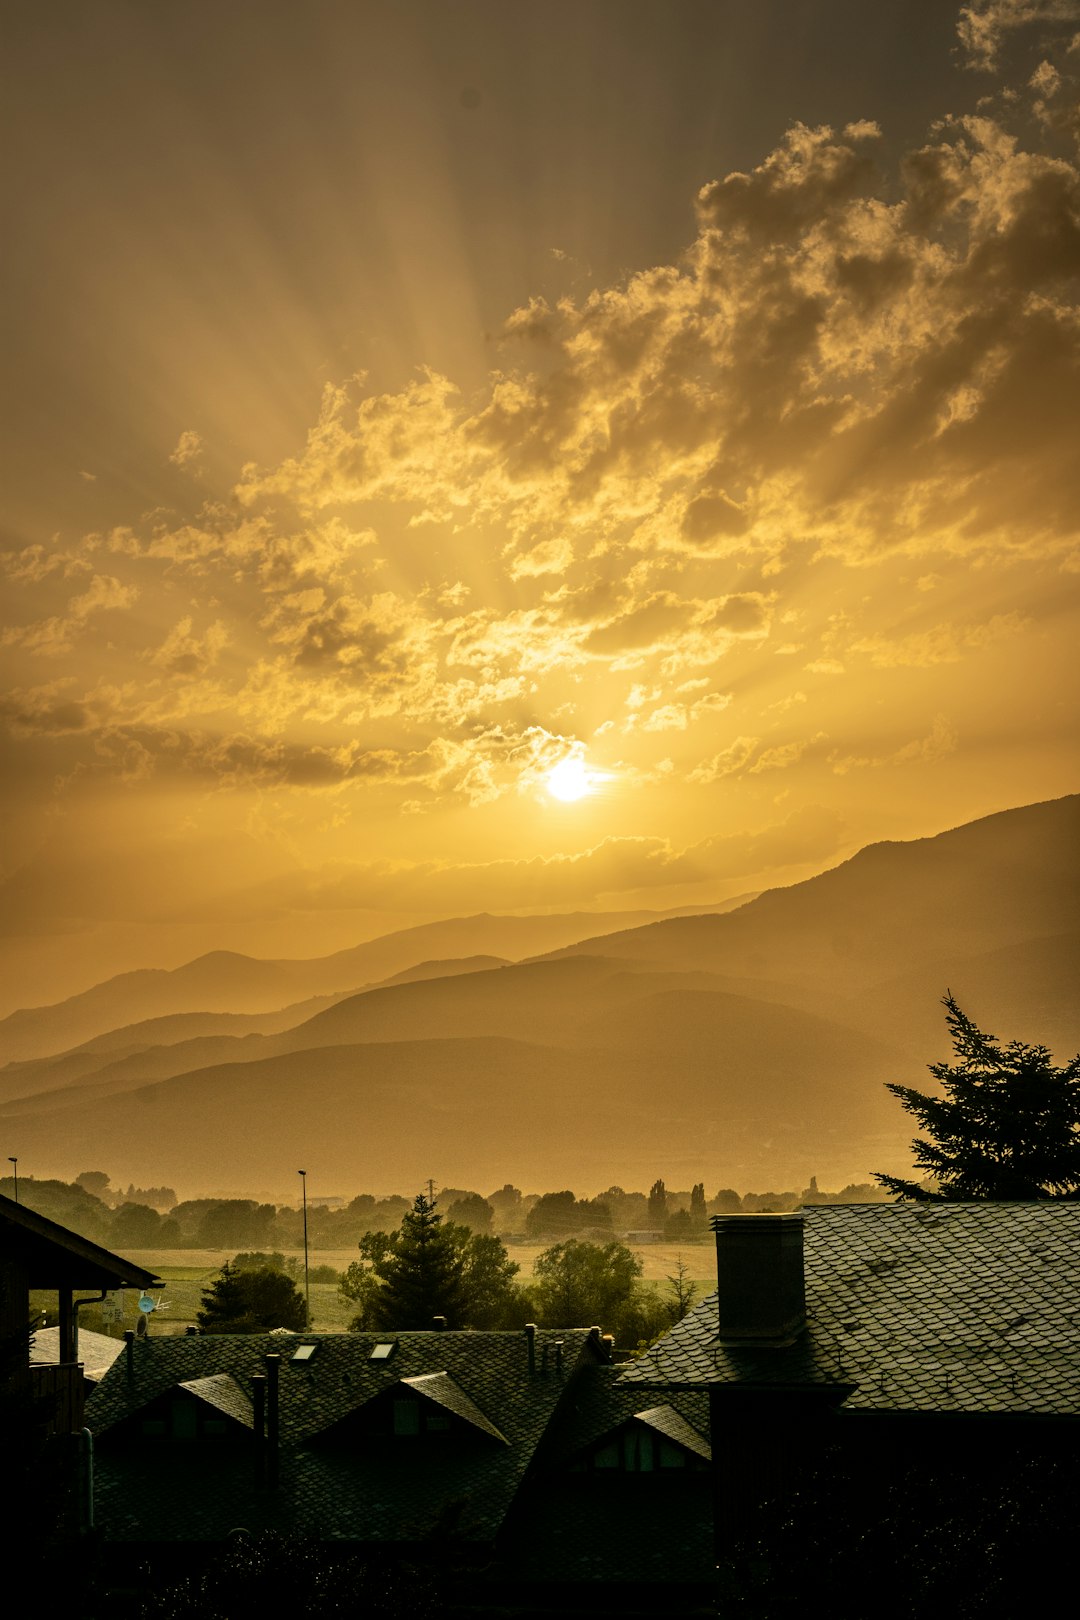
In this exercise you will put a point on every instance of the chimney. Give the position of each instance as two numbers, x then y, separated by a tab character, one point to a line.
530	1340
558	1356
273	1365
439	1324
129	1351
759	1273
258	1401
192	1332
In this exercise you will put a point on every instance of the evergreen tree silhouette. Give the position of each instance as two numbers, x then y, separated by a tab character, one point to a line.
1008	1126
422	1273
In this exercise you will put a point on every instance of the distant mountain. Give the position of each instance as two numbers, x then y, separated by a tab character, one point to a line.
746	1048
226	982
979	888
484	1109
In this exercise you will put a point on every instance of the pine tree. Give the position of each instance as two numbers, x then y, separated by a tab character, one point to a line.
421	1272
251	1301
1008	1126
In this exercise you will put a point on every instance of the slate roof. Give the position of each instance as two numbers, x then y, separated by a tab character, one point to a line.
222	1392
355	1487
441	1388
666	1421
97	1351
640	1529
950	1308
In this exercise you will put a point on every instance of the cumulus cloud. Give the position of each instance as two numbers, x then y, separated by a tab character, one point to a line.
857	383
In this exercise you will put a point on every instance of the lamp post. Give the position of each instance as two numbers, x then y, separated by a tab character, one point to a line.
12	1159
307	1296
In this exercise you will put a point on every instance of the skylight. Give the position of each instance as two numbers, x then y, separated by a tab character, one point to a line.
303	1352
383	1351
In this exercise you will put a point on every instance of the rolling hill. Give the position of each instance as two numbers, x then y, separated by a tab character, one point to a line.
746	1048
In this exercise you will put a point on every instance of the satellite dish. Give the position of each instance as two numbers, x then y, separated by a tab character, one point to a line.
146	1304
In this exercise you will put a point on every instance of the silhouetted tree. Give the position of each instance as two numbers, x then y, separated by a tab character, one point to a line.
682	1292
558	1212
698	1215
657	1204
135	1225
428	1269
726	1202
578	1284
94	1181
252	1301
1008	1125
471	1210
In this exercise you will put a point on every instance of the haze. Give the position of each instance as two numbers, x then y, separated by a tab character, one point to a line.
408	402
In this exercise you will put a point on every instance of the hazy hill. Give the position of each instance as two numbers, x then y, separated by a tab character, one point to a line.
551	997
978	888
737	1047
792	1092
224	981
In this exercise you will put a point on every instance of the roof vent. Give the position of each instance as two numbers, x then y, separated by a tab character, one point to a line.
759	1275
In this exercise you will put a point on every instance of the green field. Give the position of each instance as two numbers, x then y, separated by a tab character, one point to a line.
186	1273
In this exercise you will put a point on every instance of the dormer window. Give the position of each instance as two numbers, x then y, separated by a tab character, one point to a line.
654	1441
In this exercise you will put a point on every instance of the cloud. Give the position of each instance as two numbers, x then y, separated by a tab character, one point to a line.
941	644
189	450
58	634
184	653
938	744
983	26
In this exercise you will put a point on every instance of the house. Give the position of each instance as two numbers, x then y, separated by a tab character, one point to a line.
894	1396
514	1462
36	1253
392	1439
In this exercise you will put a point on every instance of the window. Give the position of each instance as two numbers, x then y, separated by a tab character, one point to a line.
637	1449
419	1417
406	1417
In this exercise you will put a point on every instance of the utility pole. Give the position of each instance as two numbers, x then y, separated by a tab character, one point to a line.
307	1293
430	1191
13	1160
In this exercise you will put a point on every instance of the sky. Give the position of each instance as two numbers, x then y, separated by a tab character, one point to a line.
409	401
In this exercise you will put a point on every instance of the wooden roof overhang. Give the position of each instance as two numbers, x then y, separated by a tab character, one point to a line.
52	1257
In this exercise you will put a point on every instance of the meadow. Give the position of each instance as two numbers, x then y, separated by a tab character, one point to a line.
186	1273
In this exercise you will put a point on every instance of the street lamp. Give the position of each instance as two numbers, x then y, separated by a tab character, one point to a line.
12	1159
307	1296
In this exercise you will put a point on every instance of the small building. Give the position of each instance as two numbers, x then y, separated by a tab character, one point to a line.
36	1253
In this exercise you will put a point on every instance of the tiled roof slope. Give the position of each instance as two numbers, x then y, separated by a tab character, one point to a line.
925	1307
357	1489
607	1525
441	1388
97	1351
223	1393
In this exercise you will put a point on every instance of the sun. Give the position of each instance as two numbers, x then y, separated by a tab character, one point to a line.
570	779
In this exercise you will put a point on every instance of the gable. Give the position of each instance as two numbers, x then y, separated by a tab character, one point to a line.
427	1404
656	1440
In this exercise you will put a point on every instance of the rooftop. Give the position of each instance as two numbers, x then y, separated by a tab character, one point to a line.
923	1307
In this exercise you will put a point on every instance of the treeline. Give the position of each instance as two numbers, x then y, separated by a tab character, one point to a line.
154	1218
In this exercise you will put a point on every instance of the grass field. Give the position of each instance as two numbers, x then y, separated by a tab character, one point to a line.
185	1274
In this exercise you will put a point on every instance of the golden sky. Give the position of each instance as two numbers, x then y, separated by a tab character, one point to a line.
408	400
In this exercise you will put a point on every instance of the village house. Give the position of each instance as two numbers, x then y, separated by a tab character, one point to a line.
868	1381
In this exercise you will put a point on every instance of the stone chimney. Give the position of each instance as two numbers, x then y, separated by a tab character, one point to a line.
759	1273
